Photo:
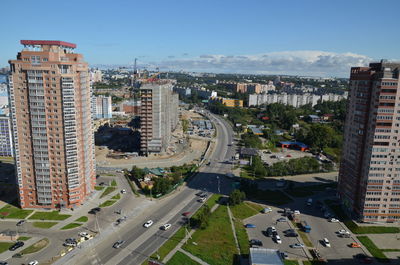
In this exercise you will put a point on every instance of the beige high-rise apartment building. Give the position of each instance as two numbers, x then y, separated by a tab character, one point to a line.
369	177
51	118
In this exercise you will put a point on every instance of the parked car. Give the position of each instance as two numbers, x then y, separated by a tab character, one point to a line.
83	234
297	212
297	245
250	225
202	199
326	242
267	210
282	219
284	255
3	263
166	227
334	220
123	191
118	244
33	262
277	239
255	242
148	223
17	245
354	245
21	222
292	234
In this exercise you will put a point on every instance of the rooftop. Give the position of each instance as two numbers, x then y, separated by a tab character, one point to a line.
48	42
265	256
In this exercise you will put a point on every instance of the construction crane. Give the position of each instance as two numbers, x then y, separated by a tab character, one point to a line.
154	77
134	77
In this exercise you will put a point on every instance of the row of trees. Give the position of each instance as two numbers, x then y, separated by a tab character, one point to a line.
304	165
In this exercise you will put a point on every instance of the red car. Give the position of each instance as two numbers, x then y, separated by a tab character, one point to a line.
288	155
186	214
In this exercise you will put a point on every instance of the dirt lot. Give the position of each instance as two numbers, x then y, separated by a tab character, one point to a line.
283	155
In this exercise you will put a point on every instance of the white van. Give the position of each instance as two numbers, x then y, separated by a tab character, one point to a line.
309	202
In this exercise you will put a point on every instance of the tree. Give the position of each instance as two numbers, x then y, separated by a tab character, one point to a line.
236	197
202	218
161	186
137	173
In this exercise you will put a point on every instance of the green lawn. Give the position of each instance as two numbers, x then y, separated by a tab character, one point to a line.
116	197
24	238
114	183
181	259
38	246
54	215
270	196
107	203
171	243
373	249
98	187
244	210
353	227
291	262
213	200
4	246
82	219
215	244
242	237
107	191
71	226
12	212
44	224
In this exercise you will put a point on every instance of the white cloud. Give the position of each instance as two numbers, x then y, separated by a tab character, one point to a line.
317	63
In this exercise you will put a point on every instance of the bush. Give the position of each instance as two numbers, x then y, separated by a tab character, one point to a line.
236	197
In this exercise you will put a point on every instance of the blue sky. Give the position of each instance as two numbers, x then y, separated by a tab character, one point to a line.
318	37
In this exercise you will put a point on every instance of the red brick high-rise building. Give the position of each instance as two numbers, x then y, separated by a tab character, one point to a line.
52	125
369	177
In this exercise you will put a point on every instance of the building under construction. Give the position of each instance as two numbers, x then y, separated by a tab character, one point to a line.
158	116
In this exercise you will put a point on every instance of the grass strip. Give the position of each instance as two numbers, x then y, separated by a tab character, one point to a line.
107	203
242	237
116	197
54	215
291	262
44	225
24	238
243	211
180	258
107	191
71	226
213	200
38	246
215	244
373	249
4	246
12	212
170	244
114	183
98	187
82	219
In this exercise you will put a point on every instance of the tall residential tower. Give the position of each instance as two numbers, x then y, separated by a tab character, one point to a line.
369	177
52	125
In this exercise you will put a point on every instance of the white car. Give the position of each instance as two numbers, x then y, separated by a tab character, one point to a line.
278	239
33	262
334	220
267	210
83	234
326	243
148	224
123	191
343	231
297	212
166	227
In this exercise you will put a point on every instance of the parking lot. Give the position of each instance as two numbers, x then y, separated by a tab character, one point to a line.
262	222
284	155
338	253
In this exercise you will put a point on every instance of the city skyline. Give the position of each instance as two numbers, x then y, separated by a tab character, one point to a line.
308	38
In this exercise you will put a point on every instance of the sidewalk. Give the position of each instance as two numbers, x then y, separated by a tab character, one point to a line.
8	254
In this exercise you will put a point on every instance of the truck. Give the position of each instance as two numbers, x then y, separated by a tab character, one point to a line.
306	228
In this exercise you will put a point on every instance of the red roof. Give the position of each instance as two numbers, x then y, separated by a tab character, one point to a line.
48	42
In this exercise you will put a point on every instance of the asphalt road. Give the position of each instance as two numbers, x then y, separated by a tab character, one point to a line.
141	242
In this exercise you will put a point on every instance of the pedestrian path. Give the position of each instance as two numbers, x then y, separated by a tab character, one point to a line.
233	230
194	257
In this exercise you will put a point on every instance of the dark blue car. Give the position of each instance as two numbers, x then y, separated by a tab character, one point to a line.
250	226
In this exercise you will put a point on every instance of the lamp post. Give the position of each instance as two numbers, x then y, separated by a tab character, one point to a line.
219	191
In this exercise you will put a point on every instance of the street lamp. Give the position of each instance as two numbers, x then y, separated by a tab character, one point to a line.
218	185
